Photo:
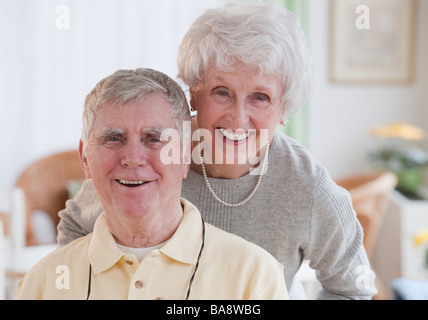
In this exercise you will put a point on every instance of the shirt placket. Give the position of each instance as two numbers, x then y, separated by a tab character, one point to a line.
145	272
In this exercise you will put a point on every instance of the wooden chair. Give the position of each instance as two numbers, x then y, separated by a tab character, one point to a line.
45	186
369	198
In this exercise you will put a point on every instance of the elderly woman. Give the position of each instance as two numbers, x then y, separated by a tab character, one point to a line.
247	67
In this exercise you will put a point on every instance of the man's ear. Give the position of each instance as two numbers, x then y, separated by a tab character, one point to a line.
84	161
187	159
192	101
186	167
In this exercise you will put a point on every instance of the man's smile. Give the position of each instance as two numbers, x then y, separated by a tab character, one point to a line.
132	183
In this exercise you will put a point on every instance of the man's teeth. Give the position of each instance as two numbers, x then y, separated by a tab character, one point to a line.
234	136
131	181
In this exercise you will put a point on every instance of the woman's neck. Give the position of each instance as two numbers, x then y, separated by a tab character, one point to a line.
223	171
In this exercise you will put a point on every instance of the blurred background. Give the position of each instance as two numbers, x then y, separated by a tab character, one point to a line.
371	71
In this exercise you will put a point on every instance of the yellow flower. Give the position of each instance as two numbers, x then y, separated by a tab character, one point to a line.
421	237
399	130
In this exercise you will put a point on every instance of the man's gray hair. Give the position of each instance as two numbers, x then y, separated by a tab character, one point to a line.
127	86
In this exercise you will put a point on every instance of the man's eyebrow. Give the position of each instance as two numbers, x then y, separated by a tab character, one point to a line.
155	131
110	131
114	131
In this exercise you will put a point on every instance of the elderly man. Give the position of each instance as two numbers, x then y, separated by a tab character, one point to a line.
148	243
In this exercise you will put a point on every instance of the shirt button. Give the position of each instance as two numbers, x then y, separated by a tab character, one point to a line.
138	284
129	262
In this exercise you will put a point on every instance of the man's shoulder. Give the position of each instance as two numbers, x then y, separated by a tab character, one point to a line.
43	279
223	243
70	254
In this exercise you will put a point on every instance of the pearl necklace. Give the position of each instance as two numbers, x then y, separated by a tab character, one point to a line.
204	173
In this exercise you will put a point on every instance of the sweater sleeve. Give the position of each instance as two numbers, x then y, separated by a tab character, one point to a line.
335	248
78	217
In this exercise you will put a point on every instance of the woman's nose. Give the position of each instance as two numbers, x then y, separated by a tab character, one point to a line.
239	113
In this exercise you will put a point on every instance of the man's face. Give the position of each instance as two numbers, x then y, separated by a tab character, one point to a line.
123	158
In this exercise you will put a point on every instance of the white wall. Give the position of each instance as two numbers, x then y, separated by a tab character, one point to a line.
46	71
341	115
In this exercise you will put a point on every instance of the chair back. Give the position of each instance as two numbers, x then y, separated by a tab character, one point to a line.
2	264
369	198
45	185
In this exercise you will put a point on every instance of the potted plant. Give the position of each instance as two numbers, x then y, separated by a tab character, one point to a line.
421	239
398	153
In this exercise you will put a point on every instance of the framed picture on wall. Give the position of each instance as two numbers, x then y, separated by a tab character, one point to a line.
372	41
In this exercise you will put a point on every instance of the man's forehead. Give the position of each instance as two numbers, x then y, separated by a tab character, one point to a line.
155	130
152	110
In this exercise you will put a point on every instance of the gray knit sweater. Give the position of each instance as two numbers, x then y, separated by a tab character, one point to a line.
297	213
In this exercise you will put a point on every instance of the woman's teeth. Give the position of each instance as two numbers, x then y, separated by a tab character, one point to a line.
234	136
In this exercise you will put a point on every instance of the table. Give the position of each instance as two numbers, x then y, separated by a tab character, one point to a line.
409	289
22	263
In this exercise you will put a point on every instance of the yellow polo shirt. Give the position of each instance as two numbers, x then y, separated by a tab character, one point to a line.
229	267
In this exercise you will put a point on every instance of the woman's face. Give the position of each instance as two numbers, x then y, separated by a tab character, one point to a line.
240	109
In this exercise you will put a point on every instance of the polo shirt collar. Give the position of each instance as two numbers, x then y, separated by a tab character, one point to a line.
183	246
185	243
103	251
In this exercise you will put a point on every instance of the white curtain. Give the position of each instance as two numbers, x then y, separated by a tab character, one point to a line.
53	52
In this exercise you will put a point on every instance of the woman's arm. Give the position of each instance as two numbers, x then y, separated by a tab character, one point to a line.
78	217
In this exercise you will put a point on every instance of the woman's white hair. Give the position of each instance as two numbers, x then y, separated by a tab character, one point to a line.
260	35
127	86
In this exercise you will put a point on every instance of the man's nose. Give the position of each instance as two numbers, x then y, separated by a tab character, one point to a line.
134	155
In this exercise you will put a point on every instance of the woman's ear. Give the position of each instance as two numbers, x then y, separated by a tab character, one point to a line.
283	119
84	161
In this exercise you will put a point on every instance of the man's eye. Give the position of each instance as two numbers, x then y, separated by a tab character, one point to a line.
154	140
112	141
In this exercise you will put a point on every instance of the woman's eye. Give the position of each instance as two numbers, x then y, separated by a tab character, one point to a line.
222	92
260	99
